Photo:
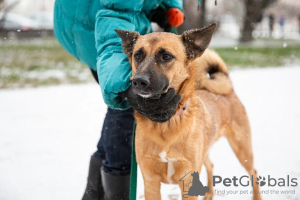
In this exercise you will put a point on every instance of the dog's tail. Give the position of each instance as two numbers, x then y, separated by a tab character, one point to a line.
212	74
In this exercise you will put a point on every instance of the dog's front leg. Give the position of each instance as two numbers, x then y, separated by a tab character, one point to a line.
152	188
152	171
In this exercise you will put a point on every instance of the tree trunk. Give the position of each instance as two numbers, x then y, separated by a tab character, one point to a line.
253	9
203	14
192	16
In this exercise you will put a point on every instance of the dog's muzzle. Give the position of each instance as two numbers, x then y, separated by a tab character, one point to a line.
146	88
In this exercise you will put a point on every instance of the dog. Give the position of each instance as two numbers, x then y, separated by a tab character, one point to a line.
209	108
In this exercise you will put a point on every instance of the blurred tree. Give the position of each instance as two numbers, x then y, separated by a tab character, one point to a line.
253	15
1	5
192	16
1	13
5	8
203	14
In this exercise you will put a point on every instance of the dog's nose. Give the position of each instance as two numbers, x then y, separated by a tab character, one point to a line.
140	82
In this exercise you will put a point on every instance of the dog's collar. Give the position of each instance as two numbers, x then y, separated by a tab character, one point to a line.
180	111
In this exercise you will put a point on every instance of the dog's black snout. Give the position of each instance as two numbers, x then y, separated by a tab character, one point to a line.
141	82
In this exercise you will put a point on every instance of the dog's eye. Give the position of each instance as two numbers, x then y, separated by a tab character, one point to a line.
138	56
167	57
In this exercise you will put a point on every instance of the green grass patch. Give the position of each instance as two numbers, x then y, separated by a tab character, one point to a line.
260	56
38	62
44	62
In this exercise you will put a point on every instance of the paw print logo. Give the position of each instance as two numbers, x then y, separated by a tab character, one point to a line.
261	181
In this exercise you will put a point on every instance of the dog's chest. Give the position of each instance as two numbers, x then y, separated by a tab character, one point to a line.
169	161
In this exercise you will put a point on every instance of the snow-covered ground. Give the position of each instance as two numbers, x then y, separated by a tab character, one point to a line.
47	135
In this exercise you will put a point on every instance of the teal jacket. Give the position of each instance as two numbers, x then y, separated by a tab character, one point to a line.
85	28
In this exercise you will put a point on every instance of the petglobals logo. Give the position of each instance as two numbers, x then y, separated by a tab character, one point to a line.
192	186
260	180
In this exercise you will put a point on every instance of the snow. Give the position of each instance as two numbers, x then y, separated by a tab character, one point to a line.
48	133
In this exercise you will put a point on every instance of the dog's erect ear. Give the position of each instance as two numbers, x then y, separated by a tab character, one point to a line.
128	40
196	41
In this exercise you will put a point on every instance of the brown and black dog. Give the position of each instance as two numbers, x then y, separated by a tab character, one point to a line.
209	108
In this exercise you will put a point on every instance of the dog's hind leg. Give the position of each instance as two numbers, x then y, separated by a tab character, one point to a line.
209	169
185	195
240	141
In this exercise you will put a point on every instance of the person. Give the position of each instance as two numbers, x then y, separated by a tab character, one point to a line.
271	24
281	22
299	22
86	30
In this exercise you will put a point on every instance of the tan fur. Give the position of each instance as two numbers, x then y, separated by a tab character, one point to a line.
220	82
186	138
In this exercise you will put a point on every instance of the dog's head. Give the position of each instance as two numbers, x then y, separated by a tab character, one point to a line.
160	61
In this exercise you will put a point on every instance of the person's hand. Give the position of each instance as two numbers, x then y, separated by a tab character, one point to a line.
159	16
167	18
159	109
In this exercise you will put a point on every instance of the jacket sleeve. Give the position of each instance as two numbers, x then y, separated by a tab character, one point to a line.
113	67
174	4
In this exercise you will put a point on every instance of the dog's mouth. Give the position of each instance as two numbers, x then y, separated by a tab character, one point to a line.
145	95
149	96
153	95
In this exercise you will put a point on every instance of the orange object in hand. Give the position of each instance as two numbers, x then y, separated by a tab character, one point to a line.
175	17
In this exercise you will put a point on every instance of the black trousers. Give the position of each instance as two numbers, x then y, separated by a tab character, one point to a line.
114	146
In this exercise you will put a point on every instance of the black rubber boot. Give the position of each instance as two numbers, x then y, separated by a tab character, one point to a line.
115	187
94	189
